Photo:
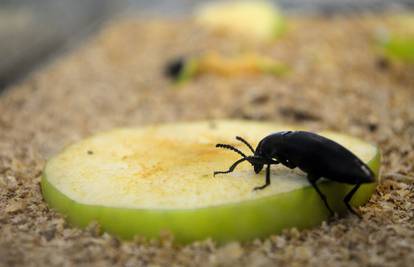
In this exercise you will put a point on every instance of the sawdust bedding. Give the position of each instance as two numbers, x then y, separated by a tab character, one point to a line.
337	81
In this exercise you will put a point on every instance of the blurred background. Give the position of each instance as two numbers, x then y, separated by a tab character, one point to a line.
33	32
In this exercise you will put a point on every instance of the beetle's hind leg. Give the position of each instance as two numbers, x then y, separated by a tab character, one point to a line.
312	180
232	167
267	179
348	198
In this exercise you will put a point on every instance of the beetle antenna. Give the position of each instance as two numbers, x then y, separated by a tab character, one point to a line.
245	142
231	148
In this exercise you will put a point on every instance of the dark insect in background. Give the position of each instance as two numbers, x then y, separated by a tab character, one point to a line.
316	155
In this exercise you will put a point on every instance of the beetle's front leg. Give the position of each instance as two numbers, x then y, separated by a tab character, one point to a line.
267	179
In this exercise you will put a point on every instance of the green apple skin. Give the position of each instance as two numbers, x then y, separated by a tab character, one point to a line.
190	70
401	49
243	221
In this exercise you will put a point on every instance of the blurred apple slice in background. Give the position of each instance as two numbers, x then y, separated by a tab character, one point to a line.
258	20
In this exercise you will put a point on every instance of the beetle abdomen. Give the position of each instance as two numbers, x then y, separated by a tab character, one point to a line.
322	157
347	170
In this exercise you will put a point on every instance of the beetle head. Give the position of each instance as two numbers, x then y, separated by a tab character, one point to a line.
256	160
257	167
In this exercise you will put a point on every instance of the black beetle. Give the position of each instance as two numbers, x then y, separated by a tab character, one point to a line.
316	155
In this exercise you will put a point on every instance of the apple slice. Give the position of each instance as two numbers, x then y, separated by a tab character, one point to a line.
143	181
257	20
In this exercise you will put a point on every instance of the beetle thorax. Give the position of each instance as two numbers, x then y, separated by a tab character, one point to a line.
268	146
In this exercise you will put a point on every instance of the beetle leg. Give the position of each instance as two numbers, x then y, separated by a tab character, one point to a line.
267	179
348	198
232	167
312	181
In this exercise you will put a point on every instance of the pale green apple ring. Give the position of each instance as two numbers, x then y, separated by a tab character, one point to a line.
242	221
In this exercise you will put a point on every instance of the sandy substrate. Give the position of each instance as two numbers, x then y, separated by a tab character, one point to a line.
337	81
